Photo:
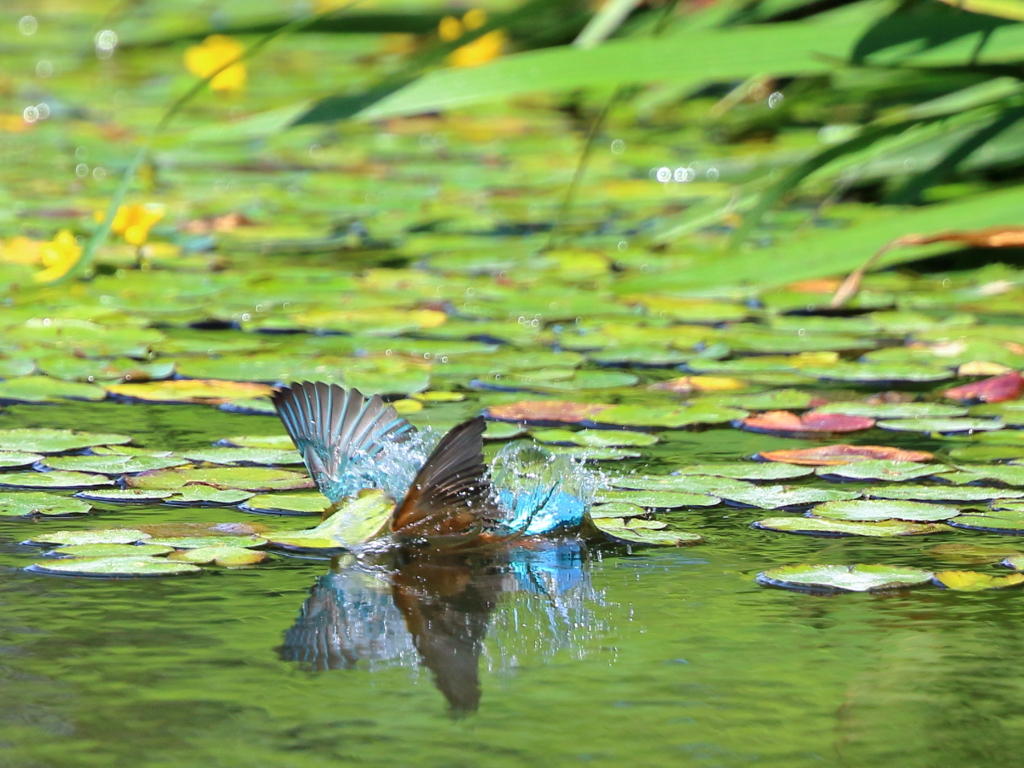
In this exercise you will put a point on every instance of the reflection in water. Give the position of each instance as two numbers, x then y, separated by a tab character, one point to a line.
437	611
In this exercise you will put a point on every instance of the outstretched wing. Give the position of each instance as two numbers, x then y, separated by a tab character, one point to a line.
331	426
451	495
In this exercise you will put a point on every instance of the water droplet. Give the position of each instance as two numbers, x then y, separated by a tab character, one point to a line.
664	175
31	114
623	245
683	175
43	109
106	42
28	25
44	68
314	150
775	99
99	173
81	153
711	174
618	147
81	170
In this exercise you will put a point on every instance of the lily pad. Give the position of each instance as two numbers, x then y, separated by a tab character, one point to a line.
272	442
71	368
9	459
201	542
47	504
56	480
881	469
124	495
269	456
705	484
114	567
833	455
206	495
111	464
356	521
545	412
55	440
616	509
865	510
779	399
1015	561
781	496
941	425
593	454
953	493
226	556
895	410
258	479
594	438
207	391
1008	386
972	581
965	552
995	521
43	389
312	503
640	536
878	372
671	417
821	526
501	430
111	550
658	499
844	578
747	470
101	536
785	422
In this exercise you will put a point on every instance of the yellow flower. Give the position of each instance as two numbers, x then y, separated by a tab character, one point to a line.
133	222
485	48
58	257
213	53
21	250
474	19
450	29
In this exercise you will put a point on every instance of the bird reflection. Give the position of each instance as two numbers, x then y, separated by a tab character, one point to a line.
436	611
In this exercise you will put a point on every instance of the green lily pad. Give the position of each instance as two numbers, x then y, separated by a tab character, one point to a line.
114	567
878	372
821	526
259	479
124	495
844	578
952	493
357	520
200	542
43	389
1010	474
502	430
55	440
101	536
972	581
226	556
706	484
271	442
111	550
986	453
646	537
1014	561
9	459
865	510
650	356
777	400
593	454
668	416
616	509
941	425
658	499
312	503
111	464
47	504
895	410
594	438
82	337
781	496
205	391
56	480
205	495
71	368
881	469
268	456
748	470
11	367
995	521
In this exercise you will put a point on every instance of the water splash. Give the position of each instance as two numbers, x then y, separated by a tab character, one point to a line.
391	469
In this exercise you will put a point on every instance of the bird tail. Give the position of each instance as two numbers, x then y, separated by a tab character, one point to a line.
332	426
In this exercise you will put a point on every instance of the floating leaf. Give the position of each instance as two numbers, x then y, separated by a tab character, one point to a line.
787	422
123	495
972	581
779	399
10	459
833	455
644	536
1009	386
43	389
747	470
259	479
895	410
500	430
56	480
111	550
103	536
594	438
881	469
545	412
201	542
244	456
111	464
667	416
288	504
686	385
616	509
864	510
271	442
357	520
114	567
206	495
952	493
1015	561
996	521
71	368
877	372
940	425
780	496
27	504
55	440
1011	474
226	556
207	391
822	526
658	499
971	553
844	578
593	454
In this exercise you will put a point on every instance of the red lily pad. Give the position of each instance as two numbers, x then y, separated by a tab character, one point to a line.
1008	386
832	455
545	411
789	422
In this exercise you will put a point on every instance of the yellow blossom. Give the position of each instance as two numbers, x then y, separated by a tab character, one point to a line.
133	222
21	250
485	48
58	257
450	29
474	19
213	53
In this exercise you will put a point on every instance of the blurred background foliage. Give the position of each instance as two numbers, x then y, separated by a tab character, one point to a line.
732	143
